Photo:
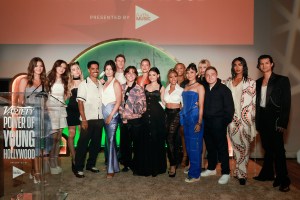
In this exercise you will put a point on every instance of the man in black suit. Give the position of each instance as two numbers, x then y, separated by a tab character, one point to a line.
273	102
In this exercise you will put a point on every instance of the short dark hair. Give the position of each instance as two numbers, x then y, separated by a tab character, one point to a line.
264	57
120	55
211	68
92	63
129	68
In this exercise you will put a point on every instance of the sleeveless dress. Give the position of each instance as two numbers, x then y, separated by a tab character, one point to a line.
189	116
57	107
108	104
151	144
73	110
34	101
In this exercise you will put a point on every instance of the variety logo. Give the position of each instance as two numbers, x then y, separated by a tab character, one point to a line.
17	172
143	17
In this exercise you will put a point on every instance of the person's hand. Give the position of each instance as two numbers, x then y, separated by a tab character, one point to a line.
108	119
84	124
197	127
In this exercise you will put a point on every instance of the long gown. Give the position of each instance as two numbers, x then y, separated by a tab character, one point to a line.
151	143
189	115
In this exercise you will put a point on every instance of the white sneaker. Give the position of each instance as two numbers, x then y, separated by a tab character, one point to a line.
186	170
192	180
224	179
208	173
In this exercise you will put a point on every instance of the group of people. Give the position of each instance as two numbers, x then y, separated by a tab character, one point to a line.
194	106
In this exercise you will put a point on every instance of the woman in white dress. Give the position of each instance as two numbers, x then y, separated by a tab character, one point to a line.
57	87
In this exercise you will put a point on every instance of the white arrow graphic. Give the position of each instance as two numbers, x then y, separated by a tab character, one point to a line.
17	172
143	17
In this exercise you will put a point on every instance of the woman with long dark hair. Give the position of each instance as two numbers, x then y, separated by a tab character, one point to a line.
153	143
57	87
241	130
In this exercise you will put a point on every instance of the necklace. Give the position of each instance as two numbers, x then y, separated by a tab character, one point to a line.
191	84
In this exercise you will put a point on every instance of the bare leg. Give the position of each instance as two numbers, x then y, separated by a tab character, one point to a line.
203	155
72	132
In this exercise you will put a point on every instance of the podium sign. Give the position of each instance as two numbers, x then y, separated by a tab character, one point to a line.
25	134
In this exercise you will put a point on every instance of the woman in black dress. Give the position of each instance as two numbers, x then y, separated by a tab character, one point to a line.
152	142
72	109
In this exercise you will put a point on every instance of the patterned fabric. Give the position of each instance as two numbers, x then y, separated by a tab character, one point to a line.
242	131
135	105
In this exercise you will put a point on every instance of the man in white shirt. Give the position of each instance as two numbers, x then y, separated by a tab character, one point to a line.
89	103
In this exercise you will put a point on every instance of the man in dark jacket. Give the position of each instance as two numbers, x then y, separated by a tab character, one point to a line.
273	103
218	113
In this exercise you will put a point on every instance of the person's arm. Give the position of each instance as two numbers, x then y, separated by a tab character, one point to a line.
118	93
162	93
228	105
285	106
81	98
201	93
21	90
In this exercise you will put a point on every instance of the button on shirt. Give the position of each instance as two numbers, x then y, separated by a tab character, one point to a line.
175	96
90	94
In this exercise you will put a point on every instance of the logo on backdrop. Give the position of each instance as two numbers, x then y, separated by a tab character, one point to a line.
143	17
19	133
17	172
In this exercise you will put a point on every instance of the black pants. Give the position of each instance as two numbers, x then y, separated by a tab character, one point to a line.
172	126
128	134
273	144
89	141
216	144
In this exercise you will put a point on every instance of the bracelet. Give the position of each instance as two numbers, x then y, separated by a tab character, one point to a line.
199	123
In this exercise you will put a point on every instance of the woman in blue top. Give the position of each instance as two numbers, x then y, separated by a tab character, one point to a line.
191	119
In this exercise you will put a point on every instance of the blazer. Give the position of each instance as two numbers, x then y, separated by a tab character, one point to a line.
278	100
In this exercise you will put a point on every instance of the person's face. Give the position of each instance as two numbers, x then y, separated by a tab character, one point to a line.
238	67
172	78
180	70
153	76
201	68
109	71
145	66
130	75
191	74
211	76
120	62
61	69
94	70
265	65
38	69
75	71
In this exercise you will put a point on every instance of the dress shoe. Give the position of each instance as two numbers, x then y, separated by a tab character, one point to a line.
259	178
284	188
79	174
93	169
192	180
125	169
242	181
